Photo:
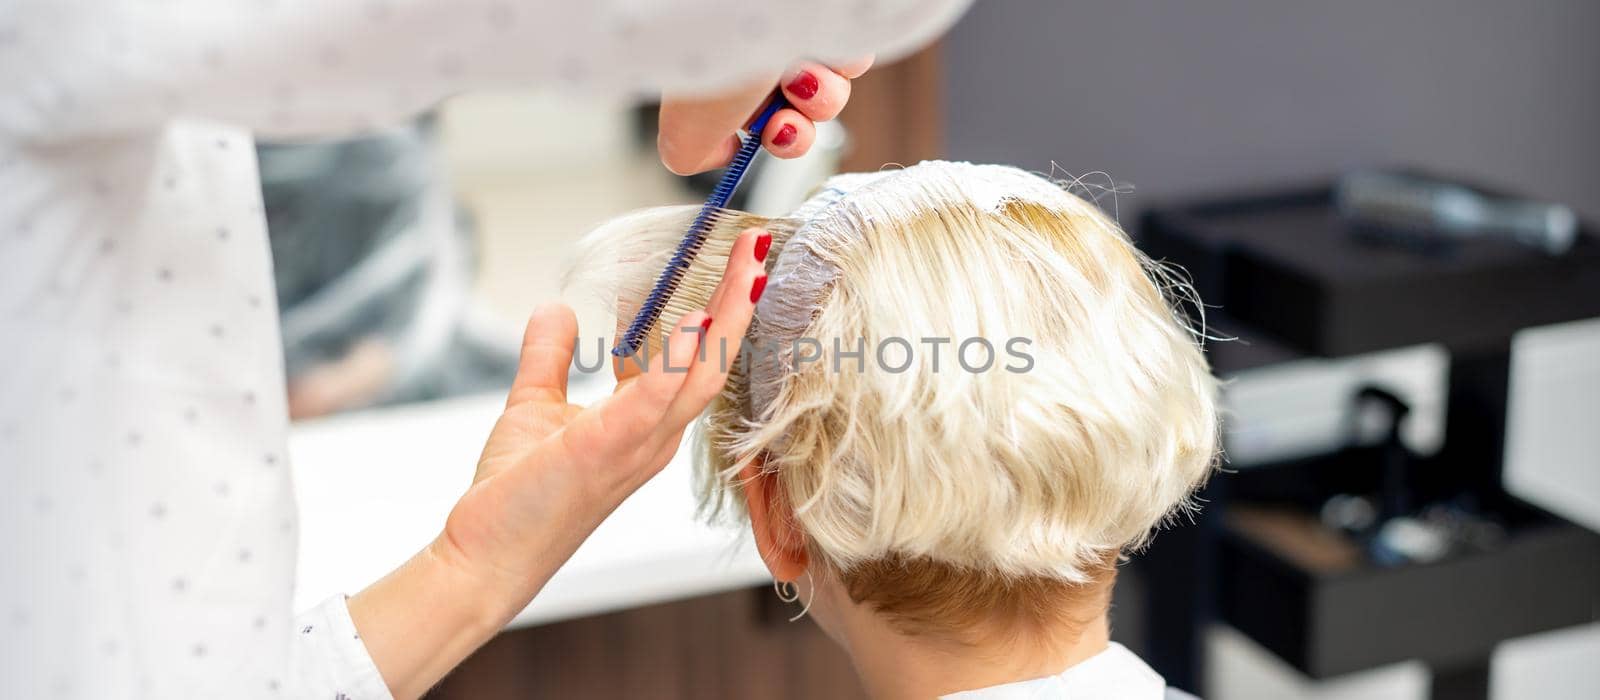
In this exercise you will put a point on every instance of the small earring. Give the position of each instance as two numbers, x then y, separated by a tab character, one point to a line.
812	582
786	590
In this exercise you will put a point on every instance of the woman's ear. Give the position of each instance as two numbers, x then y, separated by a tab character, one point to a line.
778	539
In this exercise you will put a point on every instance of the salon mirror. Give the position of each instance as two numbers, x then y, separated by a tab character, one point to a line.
407	258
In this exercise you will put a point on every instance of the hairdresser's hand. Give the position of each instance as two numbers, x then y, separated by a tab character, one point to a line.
550	472
554	467
698	134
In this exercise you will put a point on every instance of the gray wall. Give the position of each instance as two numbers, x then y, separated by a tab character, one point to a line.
1185	98
1179	98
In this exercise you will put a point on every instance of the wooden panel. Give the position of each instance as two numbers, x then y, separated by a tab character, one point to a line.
733	645
896	113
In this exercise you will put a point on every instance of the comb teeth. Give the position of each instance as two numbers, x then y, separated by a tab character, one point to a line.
667	284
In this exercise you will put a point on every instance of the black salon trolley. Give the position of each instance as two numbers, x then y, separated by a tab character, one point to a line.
1285	275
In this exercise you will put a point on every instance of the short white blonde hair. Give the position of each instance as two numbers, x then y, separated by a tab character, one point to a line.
1045	473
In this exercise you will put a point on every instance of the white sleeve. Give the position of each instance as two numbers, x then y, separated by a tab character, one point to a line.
76	68
328	658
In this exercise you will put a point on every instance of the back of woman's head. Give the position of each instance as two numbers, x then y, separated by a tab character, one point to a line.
965	382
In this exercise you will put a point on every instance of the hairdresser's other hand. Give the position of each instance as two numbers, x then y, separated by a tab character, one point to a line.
551	470
698	133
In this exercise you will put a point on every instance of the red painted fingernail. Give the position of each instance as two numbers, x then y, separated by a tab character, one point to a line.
804	86
785	136
705	325
763	244
757	288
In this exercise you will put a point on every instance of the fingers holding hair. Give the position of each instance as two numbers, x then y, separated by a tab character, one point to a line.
731	308
641	424
630	418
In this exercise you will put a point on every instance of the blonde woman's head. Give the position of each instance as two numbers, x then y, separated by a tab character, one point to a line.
965	395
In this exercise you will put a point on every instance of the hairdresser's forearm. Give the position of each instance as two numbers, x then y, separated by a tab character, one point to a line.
423	618
427	616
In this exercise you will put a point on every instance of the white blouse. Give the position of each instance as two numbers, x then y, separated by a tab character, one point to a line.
147	526
1113	674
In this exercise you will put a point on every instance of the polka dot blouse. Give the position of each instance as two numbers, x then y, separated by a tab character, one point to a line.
147	526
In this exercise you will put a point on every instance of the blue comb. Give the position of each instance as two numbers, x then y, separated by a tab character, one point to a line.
650	311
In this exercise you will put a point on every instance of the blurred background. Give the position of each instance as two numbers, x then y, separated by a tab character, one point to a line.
408	259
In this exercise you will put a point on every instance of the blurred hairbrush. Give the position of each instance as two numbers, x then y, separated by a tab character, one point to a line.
1426	211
